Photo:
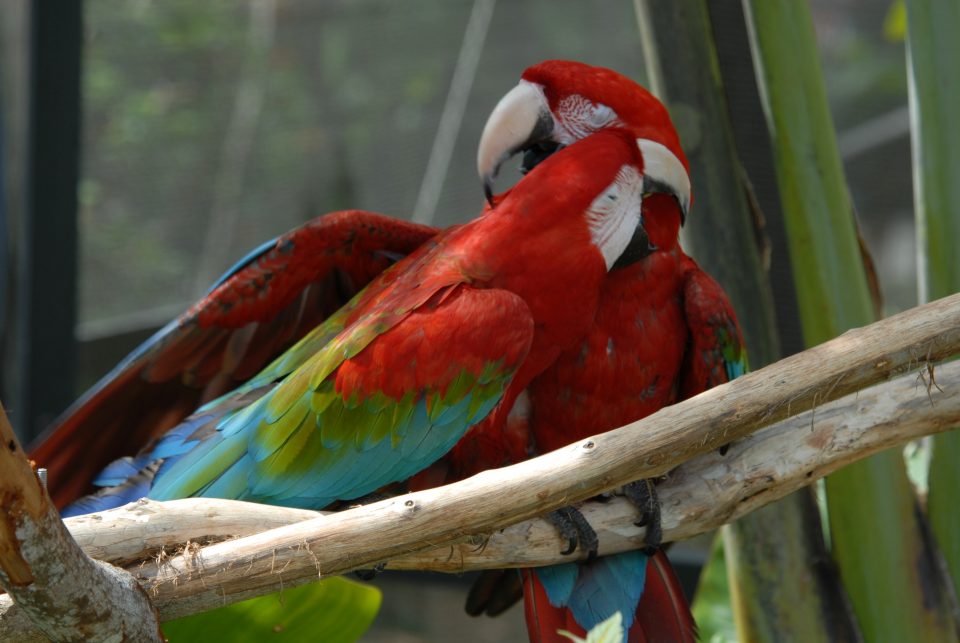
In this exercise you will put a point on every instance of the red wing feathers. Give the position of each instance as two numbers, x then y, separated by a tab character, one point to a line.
715	353
663	614
252	316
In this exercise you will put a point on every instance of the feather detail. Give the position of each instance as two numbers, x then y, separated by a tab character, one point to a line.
716	353
595	590
663	613
287	450
544	620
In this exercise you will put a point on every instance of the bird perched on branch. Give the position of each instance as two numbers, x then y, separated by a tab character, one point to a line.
390	382
663	330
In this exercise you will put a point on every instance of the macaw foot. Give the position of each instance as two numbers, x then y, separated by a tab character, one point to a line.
369	574
494	591
643	495
575	529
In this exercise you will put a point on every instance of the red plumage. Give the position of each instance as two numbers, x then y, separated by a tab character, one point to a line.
664	330
663	614
252	316
637	109
654	341
230	331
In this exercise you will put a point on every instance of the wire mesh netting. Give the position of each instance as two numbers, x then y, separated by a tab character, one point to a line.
211	127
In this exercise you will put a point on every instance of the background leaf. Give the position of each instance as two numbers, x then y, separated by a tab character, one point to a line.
333	610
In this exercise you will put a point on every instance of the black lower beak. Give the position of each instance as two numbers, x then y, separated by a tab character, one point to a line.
533	155
638	248
536	154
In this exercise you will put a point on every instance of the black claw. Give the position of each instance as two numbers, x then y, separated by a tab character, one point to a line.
561	519
643	495
589	541
575	529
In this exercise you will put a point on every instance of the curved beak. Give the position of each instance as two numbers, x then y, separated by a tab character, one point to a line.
521	118
663	172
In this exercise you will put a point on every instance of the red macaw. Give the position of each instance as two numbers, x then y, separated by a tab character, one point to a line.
393	380
664	331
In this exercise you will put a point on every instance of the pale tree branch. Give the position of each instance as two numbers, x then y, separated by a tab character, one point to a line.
68	596
495	499
700	495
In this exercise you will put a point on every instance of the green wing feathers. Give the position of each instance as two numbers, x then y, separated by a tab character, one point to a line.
378	402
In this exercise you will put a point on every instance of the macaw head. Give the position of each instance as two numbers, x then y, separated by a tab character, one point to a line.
603	190
558	102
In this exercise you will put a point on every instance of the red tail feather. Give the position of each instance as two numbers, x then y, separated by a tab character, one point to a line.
543	619
113	423
663	615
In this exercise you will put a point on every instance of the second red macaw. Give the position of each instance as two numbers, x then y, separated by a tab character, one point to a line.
664	331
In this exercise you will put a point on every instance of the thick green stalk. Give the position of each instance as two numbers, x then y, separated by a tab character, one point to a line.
682	68
934	87
824	613
766	547
829	275
876	539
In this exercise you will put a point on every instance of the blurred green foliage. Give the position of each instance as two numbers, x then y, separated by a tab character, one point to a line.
335	610
711	605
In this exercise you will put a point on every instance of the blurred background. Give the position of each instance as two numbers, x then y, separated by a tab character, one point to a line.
147	145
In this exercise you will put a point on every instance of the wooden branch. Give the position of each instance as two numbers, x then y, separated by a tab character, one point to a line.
651	447
697	496
68	596
201	578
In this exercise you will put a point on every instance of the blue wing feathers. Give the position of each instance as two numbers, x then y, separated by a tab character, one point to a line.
304	443
303	462
248	259
119	471
559	581
110	498
593	591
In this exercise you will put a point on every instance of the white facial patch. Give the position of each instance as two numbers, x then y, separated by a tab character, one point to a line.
576	118
615	214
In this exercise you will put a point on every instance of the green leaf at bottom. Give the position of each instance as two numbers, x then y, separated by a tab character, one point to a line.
335	610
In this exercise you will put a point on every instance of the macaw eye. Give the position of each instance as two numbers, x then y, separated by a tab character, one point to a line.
601	116
578	117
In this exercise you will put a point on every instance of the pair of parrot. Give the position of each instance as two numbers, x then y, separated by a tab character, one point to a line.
322	368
